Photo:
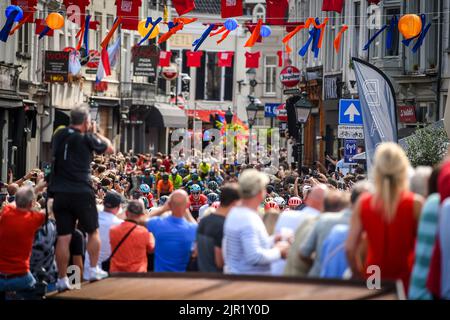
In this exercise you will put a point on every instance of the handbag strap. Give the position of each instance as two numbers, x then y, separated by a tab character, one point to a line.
121	241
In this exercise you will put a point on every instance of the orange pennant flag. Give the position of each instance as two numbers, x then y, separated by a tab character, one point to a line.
337	41
170	33
255	35
108	37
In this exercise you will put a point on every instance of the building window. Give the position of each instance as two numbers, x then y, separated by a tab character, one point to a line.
98	34
152	4
394	51
270	75
259	12
213	83
23	43
356	30
109	21
432	41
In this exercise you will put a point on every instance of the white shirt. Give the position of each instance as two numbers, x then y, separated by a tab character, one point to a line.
290	220
202	210
247	248
344	168
106	220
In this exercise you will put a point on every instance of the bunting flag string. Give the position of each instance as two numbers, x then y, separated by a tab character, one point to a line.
310	21
13	14
154	24
108	37
24	20
228	26
197	43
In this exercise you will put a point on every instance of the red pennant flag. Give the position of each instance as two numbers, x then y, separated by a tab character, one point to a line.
232	8
105	61
183	6
40	26
194	58
277	12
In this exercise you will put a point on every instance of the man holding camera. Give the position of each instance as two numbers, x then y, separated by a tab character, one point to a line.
71	188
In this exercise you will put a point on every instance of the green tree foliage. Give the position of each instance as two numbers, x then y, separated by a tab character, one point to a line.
427	147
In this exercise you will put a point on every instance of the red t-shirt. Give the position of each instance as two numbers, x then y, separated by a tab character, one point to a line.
17	229
333	5
225	59
196	204
194	58
231	8
183	6
252	59
164	58
129	11
277	11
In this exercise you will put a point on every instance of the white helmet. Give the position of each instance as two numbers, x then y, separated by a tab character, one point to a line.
280	201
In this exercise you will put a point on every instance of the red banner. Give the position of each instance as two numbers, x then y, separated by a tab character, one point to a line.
407	114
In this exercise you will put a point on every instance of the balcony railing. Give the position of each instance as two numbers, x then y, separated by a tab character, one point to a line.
138	93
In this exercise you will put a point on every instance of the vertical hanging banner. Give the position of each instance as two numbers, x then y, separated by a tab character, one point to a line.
378	106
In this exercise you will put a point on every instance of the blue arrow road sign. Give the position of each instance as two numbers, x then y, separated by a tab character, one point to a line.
350	112
350	148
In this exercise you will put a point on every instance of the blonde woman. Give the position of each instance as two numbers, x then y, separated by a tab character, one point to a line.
388	218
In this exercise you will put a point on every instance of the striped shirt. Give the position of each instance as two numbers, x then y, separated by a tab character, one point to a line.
444	238
428	226
246	245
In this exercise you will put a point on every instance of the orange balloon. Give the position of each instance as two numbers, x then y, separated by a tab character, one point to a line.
410	25
55	21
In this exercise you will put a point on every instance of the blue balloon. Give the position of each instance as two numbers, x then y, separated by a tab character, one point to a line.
231	24
265	31
10	9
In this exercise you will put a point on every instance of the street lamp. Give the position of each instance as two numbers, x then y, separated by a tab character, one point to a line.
229	116
252	110
251	77
302	109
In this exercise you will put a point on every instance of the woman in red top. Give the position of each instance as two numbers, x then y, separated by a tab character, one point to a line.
387	218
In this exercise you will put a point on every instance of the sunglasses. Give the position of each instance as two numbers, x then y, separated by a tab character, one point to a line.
195	192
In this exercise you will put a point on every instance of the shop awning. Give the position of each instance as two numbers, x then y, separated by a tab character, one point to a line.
107	101
10	101
173	117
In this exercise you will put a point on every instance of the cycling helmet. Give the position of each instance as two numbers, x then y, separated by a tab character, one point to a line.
165	176
195	188
144	188
213	197
194	176
215	204
206	192
213	185
271	205
294	201
268	199
280	201
162	200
